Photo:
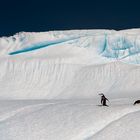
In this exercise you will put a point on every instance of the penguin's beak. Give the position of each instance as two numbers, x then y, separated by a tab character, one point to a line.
101	94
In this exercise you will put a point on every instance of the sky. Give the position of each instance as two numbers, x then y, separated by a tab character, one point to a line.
47	15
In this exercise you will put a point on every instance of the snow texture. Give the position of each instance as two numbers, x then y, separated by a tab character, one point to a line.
50	81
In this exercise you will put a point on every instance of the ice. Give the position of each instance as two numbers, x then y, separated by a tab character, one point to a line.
50	81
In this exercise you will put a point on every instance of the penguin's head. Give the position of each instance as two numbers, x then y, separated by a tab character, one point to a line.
101	94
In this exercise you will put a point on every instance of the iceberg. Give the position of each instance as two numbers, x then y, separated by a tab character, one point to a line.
70	64
50	81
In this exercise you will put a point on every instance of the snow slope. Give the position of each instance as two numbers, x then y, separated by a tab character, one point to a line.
70	64
49	85
68	120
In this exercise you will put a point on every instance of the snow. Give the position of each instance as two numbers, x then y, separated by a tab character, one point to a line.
50	81
69	120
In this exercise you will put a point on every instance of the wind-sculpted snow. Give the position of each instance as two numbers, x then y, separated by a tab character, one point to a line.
68	120
126	127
